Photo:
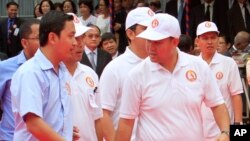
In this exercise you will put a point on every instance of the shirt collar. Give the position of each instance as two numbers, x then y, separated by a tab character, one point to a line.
131	56
87	50
44	63
181	62
21	58
216	58
211	4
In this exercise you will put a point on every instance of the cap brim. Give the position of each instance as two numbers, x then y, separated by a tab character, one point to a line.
145	22
81	30
207	32
152	35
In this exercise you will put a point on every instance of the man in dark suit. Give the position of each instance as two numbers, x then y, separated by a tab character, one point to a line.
9	31
172	8
93	56
217	13
236	20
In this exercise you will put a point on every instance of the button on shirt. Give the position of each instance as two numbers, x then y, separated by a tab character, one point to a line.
36	88
7	69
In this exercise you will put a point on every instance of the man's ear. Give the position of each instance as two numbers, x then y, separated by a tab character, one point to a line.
24	43
130	34
52	38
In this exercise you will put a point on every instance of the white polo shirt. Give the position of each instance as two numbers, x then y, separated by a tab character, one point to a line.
226	73
168	105
112	80
86	102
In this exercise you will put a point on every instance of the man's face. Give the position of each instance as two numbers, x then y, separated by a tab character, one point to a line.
222	45
92	38
32	42
66	42
139	43
12	11
78	50
208	43
159	51
110	46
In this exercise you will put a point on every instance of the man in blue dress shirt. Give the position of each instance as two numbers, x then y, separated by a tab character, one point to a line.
39	88
29	34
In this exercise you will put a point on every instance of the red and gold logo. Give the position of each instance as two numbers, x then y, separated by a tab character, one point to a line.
208	24
191	75
90	81
150	13
155	23
219	75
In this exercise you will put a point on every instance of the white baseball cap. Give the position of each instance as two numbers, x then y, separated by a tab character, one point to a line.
205	27
80	28
140	15
162	26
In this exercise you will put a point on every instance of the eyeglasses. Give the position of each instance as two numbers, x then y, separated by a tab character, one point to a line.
93	35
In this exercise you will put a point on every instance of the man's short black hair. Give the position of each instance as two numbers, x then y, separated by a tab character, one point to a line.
11	3
25	28
53	21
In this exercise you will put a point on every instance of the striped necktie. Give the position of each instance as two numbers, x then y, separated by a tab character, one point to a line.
91	60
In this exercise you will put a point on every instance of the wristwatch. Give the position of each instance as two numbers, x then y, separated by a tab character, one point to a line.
225	132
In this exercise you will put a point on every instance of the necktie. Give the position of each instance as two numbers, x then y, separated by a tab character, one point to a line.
207	14
10	28
247	17
187	16
180	11
91	59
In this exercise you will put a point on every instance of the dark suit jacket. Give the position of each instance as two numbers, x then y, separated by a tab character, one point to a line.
219	17
15	47
103	58
235	21
171	8
120	17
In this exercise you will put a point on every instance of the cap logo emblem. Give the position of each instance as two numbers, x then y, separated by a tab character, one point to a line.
75	20
150	12
155	23
208	24
191	75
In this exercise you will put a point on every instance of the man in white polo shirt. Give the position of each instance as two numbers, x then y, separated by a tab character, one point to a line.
166	90
85	98
226	72
117	70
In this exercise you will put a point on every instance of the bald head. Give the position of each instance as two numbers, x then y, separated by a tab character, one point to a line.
242	40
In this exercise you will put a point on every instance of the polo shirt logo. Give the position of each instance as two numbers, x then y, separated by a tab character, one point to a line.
219	75
90	81
191	75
